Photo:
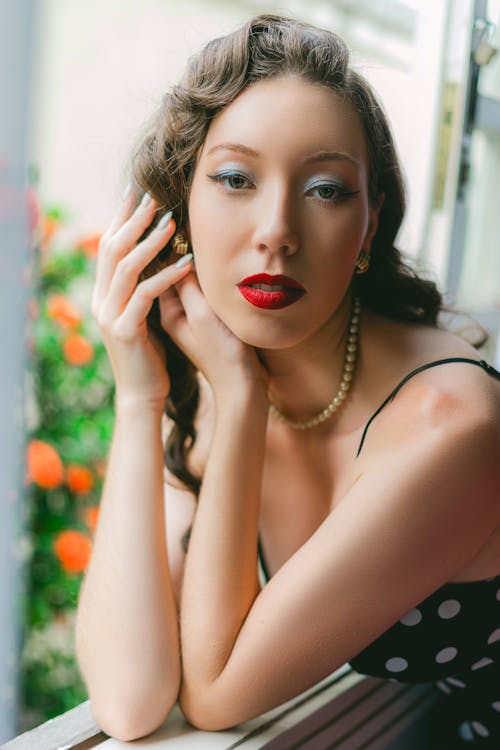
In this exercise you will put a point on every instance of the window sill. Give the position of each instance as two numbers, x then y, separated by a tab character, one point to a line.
344	711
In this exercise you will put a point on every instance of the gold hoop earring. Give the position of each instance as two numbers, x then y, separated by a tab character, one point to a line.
180	244
363	262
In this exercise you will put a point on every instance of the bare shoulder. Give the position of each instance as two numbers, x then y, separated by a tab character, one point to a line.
449	399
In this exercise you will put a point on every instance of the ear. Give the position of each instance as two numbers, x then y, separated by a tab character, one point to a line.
373	223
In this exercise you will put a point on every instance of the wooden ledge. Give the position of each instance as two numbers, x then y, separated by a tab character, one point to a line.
343	712
73	730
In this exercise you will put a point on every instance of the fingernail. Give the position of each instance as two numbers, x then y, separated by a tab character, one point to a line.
184	260
164	220
146	198
126	192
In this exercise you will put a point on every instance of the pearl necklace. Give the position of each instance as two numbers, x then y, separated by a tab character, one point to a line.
345	383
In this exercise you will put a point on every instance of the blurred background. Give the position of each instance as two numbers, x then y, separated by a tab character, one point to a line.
79	79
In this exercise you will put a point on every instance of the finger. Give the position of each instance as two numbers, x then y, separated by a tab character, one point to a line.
134	314
132	229
127	270
114	248
192	298
127	205
171	309
174	322
182	312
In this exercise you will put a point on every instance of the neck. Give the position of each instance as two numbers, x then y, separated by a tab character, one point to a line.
303	378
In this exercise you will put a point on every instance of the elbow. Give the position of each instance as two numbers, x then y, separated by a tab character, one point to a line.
130	723
208	714
206	721
132	718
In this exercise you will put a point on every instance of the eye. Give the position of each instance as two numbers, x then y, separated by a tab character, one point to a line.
232	181
331	192
327	192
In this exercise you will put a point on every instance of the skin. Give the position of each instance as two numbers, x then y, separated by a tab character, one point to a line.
417	509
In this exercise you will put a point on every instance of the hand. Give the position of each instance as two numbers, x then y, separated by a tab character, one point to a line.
225	360
120	304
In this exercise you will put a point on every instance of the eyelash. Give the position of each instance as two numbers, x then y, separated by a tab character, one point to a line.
222	177
342	193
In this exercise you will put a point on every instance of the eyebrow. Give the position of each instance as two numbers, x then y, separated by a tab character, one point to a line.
239	147
332	156
314	158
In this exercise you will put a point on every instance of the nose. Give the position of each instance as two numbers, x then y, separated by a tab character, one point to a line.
276	222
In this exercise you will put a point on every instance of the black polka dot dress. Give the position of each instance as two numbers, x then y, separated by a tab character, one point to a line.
452	638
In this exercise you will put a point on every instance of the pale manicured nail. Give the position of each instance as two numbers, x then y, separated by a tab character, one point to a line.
146	198
164	220
126	192
184	260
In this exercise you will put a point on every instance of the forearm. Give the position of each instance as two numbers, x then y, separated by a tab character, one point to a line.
220	580
127	631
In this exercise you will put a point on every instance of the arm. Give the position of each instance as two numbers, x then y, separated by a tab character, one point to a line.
418	513
126	631
220	580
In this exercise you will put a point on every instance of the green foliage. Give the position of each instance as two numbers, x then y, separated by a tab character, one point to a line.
69	407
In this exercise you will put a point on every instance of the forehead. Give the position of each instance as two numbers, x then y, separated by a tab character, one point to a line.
289	115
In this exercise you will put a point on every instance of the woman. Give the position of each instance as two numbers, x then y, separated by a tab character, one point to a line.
382	545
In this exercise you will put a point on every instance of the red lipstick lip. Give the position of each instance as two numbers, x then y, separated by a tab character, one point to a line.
265	278
268	299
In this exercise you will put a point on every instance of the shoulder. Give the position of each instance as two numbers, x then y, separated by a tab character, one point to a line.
449	394
443	425
444	402
431	469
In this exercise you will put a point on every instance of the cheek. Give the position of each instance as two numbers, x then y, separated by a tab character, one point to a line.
198	213
207	241
218	236
337	244
211	224
340	241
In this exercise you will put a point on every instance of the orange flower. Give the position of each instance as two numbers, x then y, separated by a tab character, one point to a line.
80	479
91	516
78	350
63	311
73	549
44	466
90	244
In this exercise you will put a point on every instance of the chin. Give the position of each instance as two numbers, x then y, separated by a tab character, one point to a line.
262	330
265	335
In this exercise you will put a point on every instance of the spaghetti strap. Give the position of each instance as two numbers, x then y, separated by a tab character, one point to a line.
480	362
262	560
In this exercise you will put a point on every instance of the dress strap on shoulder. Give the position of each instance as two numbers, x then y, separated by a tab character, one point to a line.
480	362
262	560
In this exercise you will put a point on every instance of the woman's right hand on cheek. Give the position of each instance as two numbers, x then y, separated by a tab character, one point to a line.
225	361
120	304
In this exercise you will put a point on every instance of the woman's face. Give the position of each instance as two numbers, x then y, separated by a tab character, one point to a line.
280	188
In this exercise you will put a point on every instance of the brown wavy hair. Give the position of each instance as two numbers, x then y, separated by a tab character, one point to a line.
269	46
